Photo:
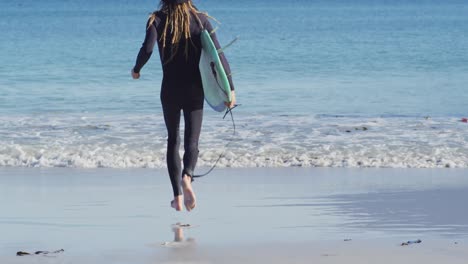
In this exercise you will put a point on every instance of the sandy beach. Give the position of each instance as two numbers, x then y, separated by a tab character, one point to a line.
290	215
350	139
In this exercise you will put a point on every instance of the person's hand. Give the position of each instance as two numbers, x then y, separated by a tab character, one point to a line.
233	100
135	75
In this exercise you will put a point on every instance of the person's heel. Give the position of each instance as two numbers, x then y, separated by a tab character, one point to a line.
189	194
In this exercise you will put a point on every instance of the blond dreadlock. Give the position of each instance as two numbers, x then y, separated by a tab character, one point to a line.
178	22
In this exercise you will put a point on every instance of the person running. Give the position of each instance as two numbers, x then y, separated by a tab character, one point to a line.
176	27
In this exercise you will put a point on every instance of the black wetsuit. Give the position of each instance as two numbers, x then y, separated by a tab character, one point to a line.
181	90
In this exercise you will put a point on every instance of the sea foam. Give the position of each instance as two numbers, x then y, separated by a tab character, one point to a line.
260	141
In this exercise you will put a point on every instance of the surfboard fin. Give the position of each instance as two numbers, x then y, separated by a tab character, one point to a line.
221	50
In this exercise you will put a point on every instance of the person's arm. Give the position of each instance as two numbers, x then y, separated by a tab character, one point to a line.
146	49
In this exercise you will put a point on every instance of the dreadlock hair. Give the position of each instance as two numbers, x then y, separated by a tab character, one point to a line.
178	23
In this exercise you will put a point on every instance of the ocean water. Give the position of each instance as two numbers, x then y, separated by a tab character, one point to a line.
366	83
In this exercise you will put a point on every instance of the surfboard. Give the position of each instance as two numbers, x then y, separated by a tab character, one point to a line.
214	79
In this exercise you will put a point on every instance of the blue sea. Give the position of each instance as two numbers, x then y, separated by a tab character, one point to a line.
365	83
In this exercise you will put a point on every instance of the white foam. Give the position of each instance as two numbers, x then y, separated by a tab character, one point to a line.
261	141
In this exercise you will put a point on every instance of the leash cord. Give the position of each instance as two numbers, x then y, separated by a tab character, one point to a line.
228	111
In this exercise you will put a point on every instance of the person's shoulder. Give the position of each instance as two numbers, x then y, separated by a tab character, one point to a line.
204	18
159	14
155	18
202	14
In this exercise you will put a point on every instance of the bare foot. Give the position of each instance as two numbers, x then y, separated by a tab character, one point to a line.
189	194
177	203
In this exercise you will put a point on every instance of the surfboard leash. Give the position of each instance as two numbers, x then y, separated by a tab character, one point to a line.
228	111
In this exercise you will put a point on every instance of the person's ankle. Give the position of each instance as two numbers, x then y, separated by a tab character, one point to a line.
186	178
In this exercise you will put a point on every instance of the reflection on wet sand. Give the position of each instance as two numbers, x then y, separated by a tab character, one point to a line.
437	212
179	239
181	249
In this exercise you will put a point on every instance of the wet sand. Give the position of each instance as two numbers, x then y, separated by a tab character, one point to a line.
287	215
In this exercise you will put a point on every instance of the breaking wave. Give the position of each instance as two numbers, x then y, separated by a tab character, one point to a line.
260	141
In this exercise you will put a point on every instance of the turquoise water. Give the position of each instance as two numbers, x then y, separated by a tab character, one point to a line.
301	68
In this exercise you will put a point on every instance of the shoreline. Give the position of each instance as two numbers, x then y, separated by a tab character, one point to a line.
123	215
